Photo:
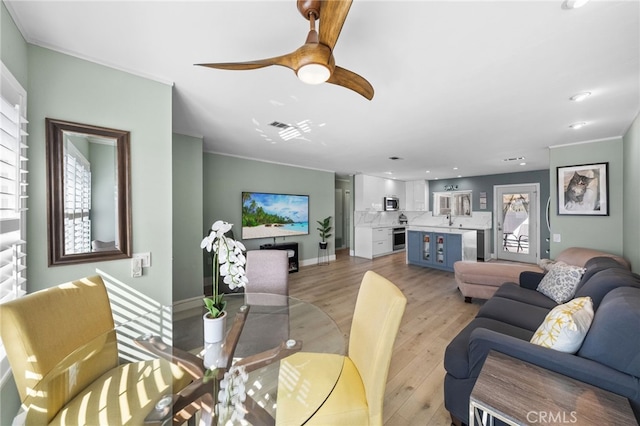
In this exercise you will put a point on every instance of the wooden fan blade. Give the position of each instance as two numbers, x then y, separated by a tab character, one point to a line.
332	16
351	80
284	60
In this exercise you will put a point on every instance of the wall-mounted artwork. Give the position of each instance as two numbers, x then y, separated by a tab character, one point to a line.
583	190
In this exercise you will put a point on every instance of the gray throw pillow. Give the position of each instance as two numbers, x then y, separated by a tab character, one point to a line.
560	283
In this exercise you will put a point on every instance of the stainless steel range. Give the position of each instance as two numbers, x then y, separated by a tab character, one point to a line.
399	238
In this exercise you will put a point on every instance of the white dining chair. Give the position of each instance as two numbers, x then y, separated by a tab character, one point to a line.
267	291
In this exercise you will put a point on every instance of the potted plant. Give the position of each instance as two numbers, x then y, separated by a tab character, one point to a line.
228	262
325	228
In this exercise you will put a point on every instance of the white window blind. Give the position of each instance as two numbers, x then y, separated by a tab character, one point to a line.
13	193
77	184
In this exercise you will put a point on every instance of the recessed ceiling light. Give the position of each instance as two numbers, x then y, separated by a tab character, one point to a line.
455	168
573	4
437	178
459	175
579	125
388	173
428	171
579	97
523	164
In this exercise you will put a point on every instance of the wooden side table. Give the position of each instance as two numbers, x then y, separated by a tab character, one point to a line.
519	393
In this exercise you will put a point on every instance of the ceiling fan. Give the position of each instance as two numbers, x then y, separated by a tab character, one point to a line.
313	62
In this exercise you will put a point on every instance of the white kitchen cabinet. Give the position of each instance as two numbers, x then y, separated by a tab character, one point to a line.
371	242
370	192
416	195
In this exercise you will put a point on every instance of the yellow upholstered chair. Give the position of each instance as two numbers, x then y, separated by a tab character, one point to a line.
63	352
358	396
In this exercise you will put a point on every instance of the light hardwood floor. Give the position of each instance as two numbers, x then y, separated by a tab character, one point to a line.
435	313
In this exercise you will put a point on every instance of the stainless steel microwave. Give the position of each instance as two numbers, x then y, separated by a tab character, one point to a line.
391	204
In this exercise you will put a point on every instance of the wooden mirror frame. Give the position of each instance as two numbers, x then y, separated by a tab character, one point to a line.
55	192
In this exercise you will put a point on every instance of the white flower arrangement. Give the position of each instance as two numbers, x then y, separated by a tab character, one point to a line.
232	396
228	262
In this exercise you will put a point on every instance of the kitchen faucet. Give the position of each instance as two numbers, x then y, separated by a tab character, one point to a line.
450	219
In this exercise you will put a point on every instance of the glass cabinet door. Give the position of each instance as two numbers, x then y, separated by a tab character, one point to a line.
440	248
426	247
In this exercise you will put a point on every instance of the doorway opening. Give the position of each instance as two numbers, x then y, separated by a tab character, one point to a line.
342	218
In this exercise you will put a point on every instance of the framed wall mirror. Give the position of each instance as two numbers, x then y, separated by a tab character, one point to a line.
88	193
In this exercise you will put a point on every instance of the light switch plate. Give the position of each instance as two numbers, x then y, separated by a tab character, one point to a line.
136	267
146	258
557	238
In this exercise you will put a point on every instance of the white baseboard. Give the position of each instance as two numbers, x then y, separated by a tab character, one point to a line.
314	261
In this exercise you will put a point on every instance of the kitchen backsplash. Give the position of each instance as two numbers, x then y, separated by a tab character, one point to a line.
478	220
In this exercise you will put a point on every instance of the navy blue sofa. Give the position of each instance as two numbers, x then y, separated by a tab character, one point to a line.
609	357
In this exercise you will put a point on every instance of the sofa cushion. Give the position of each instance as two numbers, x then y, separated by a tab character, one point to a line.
490	273
514	292
613	339
579	256
561	281
565	326
603	282
519	314
456	358
597	264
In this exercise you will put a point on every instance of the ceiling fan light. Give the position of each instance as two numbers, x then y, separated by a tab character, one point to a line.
313	73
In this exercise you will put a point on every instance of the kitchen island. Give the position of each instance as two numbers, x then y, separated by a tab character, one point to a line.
440	247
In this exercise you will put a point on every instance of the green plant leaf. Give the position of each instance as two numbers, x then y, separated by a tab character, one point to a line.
209	374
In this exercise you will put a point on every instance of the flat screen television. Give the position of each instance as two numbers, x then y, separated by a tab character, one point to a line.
266	215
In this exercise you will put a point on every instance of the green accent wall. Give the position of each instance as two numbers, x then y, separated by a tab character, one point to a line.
187	217
226	177
67	88
597	232
631	220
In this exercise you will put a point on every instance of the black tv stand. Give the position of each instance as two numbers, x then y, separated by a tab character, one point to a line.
293	254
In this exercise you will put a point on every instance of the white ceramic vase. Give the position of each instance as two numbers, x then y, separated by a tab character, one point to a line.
214	328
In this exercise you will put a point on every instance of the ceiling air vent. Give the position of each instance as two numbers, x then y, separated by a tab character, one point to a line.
280	125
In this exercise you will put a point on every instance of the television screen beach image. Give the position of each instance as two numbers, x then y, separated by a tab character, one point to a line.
266	215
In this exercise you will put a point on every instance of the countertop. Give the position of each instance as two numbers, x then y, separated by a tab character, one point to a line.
432	228
381	226
443	229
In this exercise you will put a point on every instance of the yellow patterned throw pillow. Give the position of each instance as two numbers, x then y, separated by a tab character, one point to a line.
565	326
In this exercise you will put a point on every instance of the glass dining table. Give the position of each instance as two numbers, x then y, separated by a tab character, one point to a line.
272	338
288	353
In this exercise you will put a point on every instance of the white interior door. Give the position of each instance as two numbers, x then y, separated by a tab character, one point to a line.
516	222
